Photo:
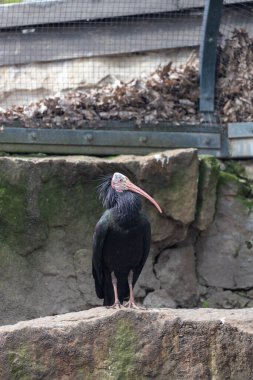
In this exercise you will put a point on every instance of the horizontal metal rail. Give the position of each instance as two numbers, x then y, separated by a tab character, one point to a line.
110	141
240	136
72	41
39	13
58	11
240	130
112	138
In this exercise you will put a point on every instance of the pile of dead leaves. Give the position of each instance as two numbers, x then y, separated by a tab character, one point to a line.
235	79
169	94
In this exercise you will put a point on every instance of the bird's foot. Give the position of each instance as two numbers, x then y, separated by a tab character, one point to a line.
116	305
132	305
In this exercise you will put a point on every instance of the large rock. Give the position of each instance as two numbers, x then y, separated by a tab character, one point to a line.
123	345
225	250
176	271
177	190
147	281
209	170
226	299
159	298
248	167
48	211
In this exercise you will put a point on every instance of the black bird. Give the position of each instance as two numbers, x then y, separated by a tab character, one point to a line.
121	240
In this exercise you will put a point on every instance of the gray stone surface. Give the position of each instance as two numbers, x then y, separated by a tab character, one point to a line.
175	269
247	165
110	344
227	299
159	298
147	280
225	251
209	170
178	189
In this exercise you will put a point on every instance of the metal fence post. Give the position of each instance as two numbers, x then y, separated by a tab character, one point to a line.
208	52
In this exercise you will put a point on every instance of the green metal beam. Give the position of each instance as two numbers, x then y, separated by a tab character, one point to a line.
109	141
111	138
240	130
208	52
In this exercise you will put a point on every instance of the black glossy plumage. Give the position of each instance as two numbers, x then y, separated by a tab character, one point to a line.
121	242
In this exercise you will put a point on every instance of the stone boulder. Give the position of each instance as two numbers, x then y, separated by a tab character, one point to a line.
48	211
226	299
176	271
225	249
209	170
122	344
147	281
159	298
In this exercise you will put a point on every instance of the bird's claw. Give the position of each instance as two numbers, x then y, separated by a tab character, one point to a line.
116	305
132	305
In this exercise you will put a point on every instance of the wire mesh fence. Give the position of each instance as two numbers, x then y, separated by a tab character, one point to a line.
234	86
69	63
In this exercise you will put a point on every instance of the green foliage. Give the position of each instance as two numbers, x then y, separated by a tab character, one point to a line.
205	304
225	178
235	168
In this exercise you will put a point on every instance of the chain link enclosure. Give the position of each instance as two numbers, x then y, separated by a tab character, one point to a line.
234	82
54	47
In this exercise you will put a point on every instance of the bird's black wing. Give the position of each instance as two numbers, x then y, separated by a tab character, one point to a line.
146	248
98	243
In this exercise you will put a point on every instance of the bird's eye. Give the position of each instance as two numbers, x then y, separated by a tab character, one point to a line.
120	180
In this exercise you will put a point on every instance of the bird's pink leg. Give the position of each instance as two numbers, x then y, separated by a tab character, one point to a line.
116	304
131	304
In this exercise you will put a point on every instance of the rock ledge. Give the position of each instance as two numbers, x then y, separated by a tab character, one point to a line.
123	344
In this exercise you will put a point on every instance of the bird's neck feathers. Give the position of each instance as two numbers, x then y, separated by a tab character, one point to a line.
127	209
125	206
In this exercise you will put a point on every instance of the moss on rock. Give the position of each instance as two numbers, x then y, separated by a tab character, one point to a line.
59	203
23	365
12	213
235	174
122	351
236	168
226	178
209	170
19	363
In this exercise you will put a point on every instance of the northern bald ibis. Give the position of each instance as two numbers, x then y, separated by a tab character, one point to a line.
121	240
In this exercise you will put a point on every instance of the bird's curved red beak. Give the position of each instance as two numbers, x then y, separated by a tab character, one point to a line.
130	186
